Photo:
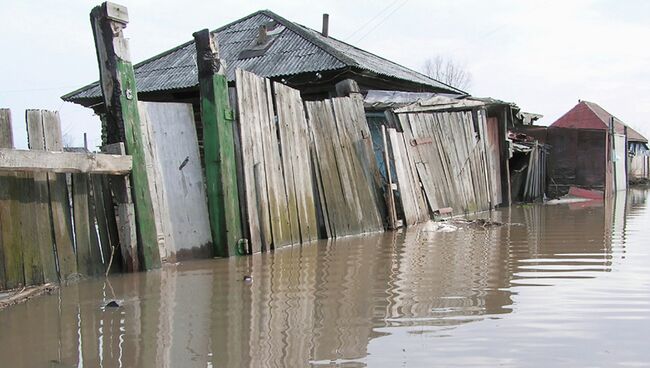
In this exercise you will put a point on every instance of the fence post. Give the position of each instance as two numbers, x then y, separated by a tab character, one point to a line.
219	152
121	99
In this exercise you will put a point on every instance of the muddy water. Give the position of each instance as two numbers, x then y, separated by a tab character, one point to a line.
563	285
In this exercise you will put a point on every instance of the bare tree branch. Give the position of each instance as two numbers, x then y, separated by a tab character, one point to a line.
447	71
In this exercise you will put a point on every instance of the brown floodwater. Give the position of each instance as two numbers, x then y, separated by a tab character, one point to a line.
561	285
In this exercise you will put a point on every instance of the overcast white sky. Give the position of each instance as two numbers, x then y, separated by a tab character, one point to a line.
544	56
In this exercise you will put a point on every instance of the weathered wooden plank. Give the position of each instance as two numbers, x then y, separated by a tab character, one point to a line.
88	253
99	213
63	162
161	215
420	201
295	142
390	197
220	165
252	108
278	206
241	185
121	189
120	98
10	226
403	179
10	276
179	180
40	200
321	125
289	146
354	134
61	219
6	129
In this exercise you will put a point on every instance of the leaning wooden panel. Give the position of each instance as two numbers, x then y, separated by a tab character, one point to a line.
278	206
354	138
295	142
252	107
179	178
322	125
403	179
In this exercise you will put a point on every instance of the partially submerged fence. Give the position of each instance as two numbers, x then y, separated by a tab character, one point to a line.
57	218
303	172
450	152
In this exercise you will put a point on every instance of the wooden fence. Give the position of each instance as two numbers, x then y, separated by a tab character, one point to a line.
449	155
301	173
57	218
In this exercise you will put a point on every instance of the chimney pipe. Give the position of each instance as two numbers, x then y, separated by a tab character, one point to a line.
326	24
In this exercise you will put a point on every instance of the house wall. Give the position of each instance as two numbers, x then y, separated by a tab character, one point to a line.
578	158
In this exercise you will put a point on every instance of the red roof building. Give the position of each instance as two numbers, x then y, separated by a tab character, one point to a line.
589	115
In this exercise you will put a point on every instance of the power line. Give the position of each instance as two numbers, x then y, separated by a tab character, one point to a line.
371	19
381	21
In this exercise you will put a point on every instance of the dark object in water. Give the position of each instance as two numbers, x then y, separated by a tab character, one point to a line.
248	279
112	304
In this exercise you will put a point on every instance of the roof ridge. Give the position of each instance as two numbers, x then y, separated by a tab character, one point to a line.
302	32
167	52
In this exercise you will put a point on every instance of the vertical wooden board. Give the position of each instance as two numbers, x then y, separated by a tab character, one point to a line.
10	208
156	183
344	157
86	245
249	106
494	147
100	214
183	200
6	180
40	201
289	146
322	217
61	220
294	142
62	224
420	200
404	184
333	200
278	208
237	143
358	161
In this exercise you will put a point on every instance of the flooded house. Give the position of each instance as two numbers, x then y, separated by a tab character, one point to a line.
321	67
592	149
272	47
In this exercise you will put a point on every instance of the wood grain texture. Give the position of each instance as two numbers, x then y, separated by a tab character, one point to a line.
179	177
295	144
348	191
453	166
63	162
41	223
120	98
88	253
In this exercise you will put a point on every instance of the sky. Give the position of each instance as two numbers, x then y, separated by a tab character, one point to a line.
542	55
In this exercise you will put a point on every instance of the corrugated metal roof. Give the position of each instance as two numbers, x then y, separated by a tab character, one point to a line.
295	49
590	115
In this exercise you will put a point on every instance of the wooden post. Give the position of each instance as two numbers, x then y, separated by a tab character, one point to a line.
121	100
219	151
121	187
